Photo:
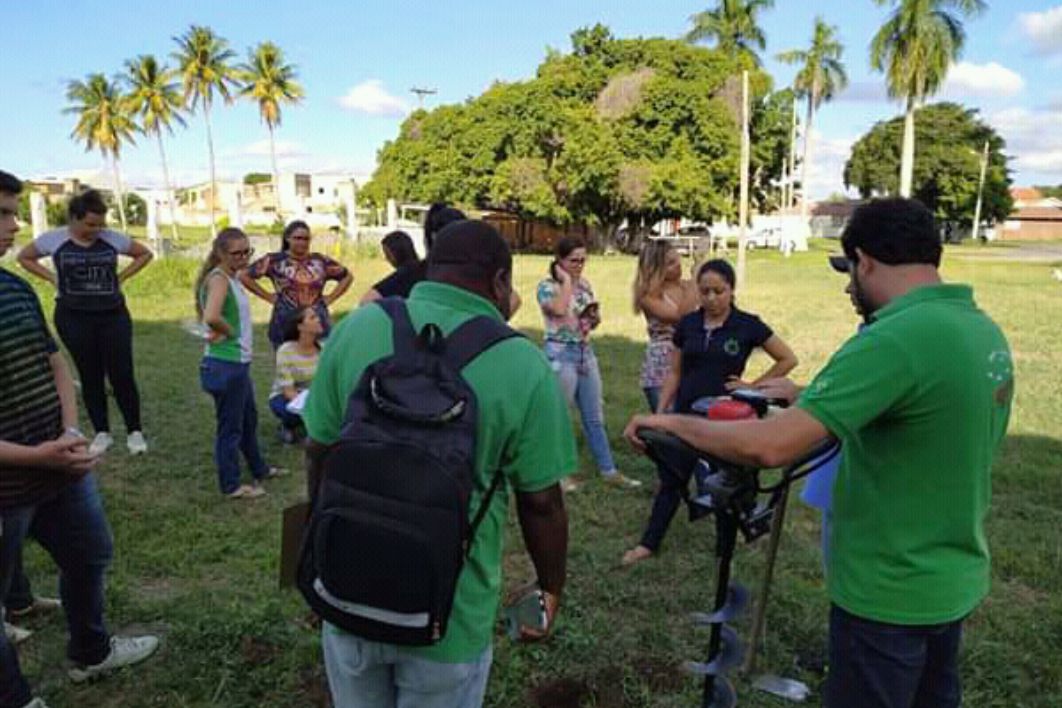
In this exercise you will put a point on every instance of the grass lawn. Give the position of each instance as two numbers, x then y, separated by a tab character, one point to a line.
201	570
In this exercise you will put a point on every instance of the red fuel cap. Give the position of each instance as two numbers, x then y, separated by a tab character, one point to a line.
730	410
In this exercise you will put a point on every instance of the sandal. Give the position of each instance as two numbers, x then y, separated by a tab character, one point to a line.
246	491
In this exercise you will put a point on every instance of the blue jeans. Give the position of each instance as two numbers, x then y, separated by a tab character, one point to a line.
364	674
576	368
279	405
878	665
237	418
73	528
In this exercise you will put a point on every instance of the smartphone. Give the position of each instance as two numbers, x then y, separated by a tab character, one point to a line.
528	611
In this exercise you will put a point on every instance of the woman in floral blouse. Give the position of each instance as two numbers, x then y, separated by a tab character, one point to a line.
571	312
299	277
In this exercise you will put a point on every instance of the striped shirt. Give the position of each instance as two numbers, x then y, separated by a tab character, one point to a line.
31	412
294	368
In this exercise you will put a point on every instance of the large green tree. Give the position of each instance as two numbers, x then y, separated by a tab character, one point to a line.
914	49
104	123
946	169
733	26
637	129
204	62
155	97
270	82
821	76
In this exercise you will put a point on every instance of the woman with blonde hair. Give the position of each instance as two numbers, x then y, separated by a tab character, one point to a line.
661	294
225	371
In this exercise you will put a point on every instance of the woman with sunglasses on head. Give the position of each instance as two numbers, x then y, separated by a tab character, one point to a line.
299	276
571	312
225	371
712	345
90	311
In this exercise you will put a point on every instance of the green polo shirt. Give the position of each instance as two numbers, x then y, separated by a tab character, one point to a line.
921	400
523	430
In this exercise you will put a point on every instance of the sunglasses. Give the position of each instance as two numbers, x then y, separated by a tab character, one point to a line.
242	252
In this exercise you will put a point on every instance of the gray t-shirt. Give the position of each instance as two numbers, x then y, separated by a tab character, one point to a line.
87	276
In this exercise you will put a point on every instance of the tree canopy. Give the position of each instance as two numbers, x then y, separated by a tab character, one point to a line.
947	166
637	129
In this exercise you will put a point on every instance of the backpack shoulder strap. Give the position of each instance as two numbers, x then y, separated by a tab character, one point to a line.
403	335
473	337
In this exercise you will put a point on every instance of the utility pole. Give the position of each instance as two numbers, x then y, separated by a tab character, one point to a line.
743	207
421	93
980	192
792	157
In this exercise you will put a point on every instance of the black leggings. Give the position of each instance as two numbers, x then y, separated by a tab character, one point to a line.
101	344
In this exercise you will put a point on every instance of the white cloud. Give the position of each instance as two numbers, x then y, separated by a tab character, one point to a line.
1033	139
372	98
865	92
989	80
260	148
826	171
1043	29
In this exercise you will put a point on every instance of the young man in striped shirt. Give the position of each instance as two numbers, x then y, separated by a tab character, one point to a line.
47	488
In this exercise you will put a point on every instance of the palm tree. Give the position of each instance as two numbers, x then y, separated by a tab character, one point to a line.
203	61
158	101
733	27
820	78
914	49
103	122
270	82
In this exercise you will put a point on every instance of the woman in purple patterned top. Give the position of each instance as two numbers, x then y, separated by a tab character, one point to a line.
299	277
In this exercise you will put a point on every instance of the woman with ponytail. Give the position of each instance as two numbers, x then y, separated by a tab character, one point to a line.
225	371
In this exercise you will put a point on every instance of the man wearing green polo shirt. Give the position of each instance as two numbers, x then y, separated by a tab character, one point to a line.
523	430
921	400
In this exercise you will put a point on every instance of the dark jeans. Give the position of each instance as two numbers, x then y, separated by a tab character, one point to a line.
237	420
878	665
20	593
72	527
672	491
279	405
652	397
101	344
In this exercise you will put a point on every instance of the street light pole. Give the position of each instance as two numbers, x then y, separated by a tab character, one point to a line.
421	93
980	192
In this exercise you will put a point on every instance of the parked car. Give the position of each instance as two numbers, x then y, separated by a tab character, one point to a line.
769	237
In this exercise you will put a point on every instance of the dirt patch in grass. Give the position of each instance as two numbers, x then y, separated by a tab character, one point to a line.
312	689
605	688
256	651
562	693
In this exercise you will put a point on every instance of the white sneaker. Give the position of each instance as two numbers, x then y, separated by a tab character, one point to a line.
36	703
101	443
125	651
16	634
136	443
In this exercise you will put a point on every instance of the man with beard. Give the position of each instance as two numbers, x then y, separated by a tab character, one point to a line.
920	400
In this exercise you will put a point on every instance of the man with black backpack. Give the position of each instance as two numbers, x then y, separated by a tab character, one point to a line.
422	416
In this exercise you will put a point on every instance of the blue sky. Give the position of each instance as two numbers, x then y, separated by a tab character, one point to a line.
358	61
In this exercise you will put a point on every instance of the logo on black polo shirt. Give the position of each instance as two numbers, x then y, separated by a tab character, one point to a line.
732	347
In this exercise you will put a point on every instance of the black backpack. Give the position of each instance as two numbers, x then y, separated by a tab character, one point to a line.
389	531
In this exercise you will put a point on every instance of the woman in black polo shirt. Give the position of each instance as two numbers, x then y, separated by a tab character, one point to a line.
712	346
90	312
